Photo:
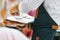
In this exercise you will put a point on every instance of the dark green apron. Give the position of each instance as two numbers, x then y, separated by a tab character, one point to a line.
42	25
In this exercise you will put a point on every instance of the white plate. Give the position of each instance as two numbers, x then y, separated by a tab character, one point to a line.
23	18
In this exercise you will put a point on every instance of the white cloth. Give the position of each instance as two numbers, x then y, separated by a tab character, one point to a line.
0	10
52	7
0	16
11	34
27	5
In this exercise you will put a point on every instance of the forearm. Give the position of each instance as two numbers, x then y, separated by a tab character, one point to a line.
3	15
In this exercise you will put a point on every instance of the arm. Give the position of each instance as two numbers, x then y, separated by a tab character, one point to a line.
3	12
27	5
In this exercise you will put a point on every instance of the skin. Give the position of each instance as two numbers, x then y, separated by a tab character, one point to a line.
15	11
11	0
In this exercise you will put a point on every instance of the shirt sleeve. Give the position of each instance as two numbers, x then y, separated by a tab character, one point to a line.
27	5
0	15
0	11
2	7
3	4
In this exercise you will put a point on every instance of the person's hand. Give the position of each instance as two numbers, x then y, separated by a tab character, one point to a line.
55	27
14	11
15	14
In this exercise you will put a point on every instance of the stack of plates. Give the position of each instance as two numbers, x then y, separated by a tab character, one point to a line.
23	18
